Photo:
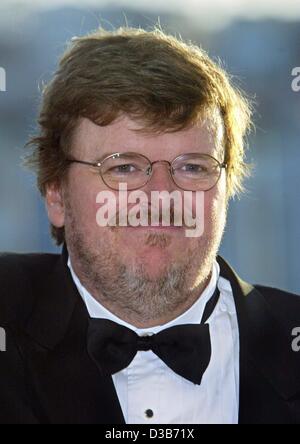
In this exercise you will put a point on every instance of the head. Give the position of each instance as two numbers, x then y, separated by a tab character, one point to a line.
145	92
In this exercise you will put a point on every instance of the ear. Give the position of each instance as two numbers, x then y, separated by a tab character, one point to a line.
55	205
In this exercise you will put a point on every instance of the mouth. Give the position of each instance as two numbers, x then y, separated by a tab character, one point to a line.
158	227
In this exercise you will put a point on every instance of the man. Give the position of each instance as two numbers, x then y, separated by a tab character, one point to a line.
141	324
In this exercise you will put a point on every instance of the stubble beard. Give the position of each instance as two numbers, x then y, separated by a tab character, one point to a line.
126	288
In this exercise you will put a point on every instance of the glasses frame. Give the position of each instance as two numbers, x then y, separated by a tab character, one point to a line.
99	164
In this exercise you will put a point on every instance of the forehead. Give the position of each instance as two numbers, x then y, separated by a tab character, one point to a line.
91	141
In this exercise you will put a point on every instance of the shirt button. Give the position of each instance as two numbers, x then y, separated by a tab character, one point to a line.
149	413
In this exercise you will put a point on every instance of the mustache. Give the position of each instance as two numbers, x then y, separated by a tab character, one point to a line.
158	240
152	215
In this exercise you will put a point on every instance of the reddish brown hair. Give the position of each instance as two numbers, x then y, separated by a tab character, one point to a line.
152	77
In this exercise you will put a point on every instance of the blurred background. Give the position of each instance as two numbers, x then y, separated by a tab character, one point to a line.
257	41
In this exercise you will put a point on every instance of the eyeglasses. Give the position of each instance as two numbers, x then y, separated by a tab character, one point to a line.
190	172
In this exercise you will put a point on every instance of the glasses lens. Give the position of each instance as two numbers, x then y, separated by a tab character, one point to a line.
125	168
196	172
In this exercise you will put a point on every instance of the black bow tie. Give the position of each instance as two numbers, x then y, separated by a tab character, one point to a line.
186	349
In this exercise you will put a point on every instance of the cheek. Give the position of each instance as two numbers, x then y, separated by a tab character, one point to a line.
213	202
214	209
83	205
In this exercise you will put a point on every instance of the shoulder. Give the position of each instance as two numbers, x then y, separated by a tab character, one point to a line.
19	276
282	303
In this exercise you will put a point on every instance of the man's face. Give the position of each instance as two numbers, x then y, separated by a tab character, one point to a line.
134	267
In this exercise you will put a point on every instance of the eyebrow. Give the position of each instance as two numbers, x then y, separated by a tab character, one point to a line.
99	159
109	153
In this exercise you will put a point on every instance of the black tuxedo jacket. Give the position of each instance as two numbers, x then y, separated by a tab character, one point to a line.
47	376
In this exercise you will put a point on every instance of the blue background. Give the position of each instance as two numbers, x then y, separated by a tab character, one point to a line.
262	237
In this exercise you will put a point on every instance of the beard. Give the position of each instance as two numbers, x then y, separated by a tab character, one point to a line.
125	288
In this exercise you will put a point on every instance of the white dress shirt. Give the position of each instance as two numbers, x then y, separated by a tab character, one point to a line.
149	392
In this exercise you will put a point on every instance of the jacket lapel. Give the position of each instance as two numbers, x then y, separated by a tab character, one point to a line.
57	359
269	369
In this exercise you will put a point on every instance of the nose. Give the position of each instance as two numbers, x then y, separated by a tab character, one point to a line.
161	178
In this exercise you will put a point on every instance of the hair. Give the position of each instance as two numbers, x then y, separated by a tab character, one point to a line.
152	77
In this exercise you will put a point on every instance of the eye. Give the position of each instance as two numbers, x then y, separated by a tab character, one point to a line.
194	168
126	168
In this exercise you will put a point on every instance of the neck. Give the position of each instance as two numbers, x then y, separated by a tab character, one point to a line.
137	320
143	319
